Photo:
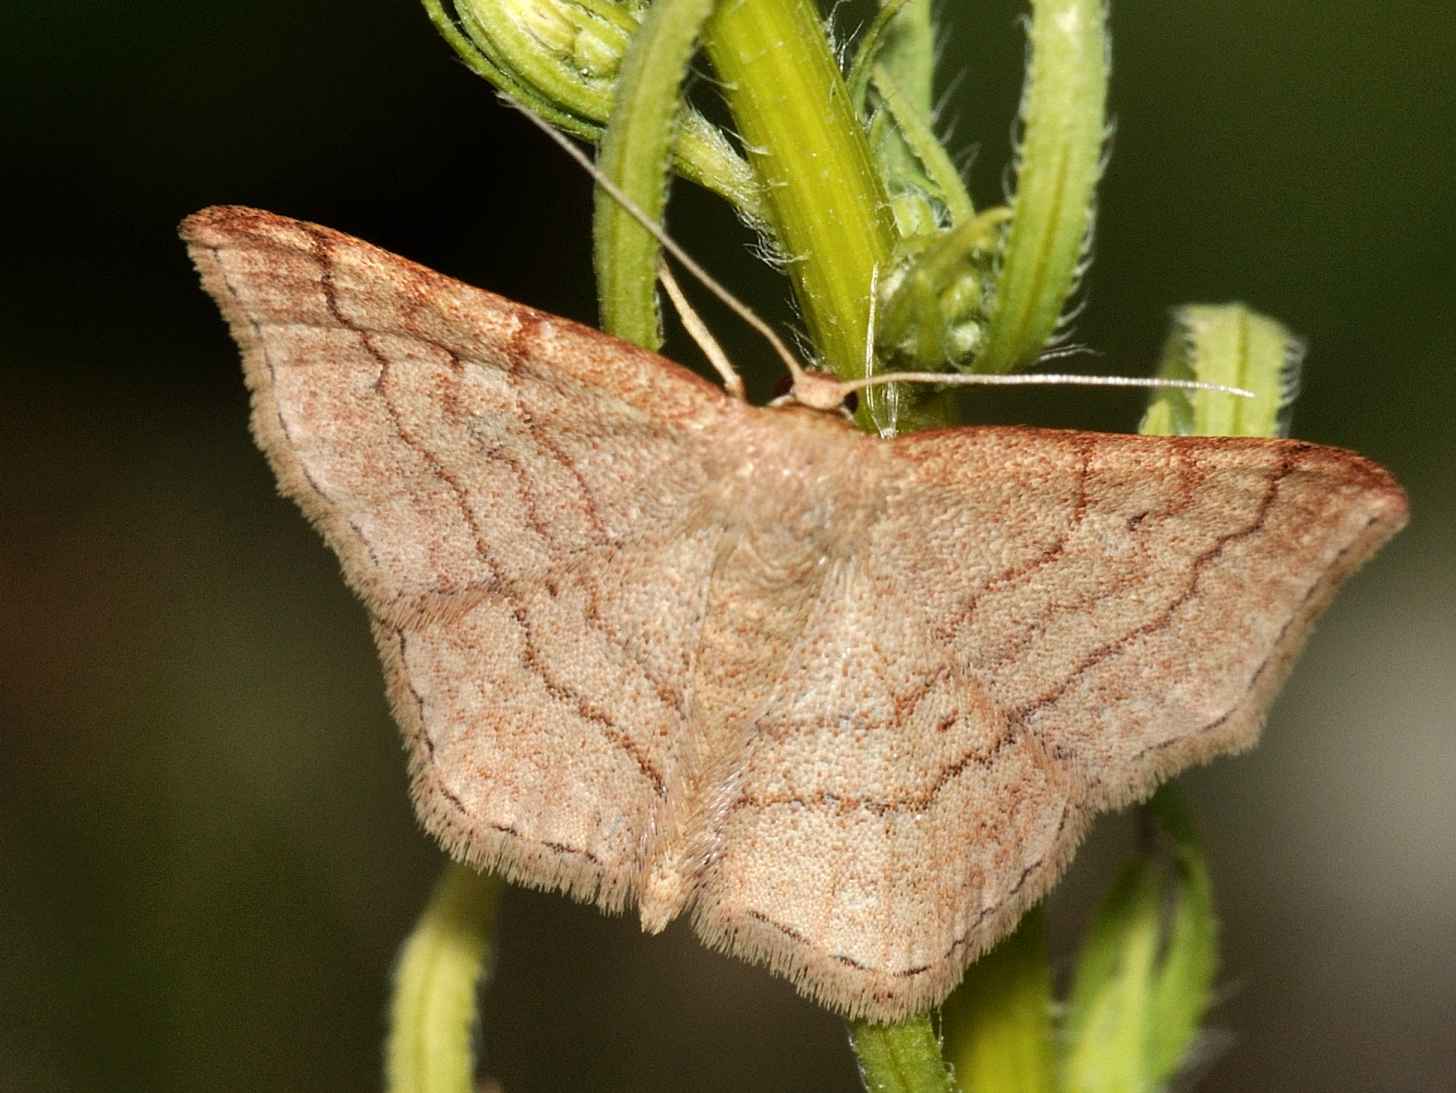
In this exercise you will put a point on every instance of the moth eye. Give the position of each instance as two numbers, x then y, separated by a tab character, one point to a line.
1137	518
851	401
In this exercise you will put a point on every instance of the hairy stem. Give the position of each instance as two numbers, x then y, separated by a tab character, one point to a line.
792	109
432	1014
900	1058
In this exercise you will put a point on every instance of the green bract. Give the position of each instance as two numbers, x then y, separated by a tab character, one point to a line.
1236	346
1145	974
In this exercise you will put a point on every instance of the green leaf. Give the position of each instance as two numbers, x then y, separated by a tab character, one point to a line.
931	169
908	53
872	43
1144	977
897	53
998	1022
1063	114
1233	345
433	1012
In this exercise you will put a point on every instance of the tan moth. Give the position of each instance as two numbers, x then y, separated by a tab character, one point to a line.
850	703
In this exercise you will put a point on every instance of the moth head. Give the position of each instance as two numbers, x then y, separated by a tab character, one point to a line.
818	390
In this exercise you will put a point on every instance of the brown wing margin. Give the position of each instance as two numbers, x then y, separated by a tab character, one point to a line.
432	304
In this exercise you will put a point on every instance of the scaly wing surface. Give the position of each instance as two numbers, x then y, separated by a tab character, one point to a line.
885	818
1037	625
518	501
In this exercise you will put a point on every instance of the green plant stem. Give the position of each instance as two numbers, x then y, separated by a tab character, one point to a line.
900	1058
792	109
433	1011
634	154
1183	993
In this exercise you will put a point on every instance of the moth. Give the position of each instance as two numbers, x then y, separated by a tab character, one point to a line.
849	703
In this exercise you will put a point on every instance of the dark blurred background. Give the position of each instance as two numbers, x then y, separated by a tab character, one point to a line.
208	855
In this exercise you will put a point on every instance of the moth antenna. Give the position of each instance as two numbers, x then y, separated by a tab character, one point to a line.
1020	379
700	333
796	371
1011	379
